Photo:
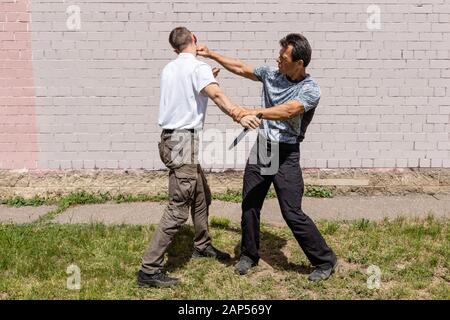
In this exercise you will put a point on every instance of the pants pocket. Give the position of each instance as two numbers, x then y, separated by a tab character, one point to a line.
182	186
176	151
166	152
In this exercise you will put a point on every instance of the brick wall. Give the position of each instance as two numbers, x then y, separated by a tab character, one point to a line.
87	97
18	132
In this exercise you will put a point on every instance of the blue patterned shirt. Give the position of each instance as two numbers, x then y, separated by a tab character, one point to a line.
277	89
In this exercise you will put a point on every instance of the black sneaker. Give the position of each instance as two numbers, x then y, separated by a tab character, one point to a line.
210	251
244	265
160	280
321	274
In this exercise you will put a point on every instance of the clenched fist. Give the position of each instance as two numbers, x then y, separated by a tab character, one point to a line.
203	51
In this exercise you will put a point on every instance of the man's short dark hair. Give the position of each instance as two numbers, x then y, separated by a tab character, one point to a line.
180	38
301	48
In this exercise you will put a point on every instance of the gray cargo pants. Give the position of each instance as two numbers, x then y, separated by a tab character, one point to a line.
188	190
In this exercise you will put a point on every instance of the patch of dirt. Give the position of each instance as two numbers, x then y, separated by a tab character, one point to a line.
345	267
265	270
402	265
439	276
3	296
441	273
422	294
287	252
388	286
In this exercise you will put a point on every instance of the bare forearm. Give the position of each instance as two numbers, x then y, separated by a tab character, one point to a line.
223	103
280	112
235	66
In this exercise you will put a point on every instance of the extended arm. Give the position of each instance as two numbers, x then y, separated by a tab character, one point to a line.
235	66
214	92
279	112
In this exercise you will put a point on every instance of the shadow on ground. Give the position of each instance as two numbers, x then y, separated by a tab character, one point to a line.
180	251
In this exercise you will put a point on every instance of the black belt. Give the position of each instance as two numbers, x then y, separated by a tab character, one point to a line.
178	130
284	145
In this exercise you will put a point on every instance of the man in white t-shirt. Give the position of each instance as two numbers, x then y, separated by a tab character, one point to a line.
186	85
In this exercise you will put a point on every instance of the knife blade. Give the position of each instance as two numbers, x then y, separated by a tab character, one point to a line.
242	134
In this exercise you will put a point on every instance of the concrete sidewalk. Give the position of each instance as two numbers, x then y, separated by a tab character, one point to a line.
22	214
338	208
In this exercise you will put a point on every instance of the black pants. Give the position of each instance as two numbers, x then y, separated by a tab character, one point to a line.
288	183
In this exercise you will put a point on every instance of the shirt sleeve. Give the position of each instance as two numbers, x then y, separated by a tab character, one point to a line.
261	72
203	76
309	96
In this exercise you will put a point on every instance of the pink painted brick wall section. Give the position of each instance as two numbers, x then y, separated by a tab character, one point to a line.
18	139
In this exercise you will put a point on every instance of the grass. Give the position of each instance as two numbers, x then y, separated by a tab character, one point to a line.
413	256
21	201
219	222
318	192
83	197
236	196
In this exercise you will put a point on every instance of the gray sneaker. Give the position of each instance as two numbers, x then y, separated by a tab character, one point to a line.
321	274
244	265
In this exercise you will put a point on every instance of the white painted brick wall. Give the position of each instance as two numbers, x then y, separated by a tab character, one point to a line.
386	93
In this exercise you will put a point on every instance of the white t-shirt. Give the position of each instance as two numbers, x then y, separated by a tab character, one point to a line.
182	106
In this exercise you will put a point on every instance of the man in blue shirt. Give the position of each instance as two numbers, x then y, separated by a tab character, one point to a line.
289	99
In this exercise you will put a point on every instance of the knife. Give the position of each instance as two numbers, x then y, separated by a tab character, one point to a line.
242	134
